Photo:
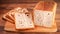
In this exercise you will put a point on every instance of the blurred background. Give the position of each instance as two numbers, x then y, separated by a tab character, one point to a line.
23	1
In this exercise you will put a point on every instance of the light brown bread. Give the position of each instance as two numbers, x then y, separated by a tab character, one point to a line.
45	5
9	16
44	13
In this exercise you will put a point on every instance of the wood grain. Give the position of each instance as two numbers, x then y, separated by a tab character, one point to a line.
19	1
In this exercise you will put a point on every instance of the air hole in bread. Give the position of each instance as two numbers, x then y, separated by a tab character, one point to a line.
18	15
48	13
30	25
22	25
27	14
20	22
30	22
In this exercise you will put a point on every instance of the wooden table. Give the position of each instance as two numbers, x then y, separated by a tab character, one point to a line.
6	7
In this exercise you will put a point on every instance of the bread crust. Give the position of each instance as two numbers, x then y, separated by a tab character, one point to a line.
45	5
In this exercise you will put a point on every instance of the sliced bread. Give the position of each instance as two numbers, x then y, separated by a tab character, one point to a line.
22	21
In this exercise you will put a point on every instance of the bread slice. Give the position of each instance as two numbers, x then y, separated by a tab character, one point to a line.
44	13
22	21
9	16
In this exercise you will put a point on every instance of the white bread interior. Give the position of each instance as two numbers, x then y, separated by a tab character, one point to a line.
22	21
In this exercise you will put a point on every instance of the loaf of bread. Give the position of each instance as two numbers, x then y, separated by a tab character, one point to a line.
44	13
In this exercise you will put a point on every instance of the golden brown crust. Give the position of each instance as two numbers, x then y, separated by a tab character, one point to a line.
8	18
45	5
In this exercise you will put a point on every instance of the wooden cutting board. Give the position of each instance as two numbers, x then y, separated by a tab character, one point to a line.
11	27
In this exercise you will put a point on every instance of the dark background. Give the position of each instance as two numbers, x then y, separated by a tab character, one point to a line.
22	1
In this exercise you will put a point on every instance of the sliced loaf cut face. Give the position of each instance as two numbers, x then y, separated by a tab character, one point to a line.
22	21
44	13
